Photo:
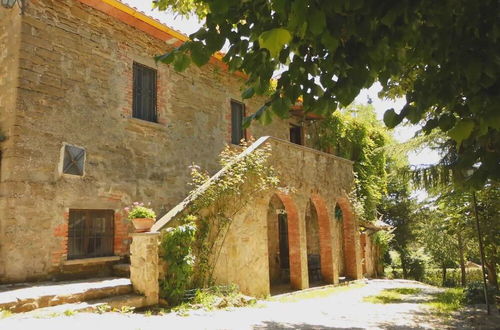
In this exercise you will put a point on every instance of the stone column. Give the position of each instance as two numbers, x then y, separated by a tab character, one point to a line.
144	265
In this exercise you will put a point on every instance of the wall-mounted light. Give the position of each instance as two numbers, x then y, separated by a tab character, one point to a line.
10	3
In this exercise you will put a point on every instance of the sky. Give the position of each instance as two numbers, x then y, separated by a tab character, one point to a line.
402	134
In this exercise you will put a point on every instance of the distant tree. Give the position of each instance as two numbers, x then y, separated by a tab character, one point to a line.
443	55
489	216
399	209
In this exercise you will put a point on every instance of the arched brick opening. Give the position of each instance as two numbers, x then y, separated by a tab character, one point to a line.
292	218
349	232
325	238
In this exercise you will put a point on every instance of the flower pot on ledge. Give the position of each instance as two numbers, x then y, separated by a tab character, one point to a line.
143	225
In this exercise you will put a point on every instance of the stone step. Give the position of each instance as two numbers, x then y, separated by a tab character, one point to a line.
29	296
121	270
103	305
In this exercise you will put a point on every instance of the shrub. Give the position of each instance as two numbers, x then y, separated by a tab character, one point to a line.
176	250
433	276
474	293
138	210
416	268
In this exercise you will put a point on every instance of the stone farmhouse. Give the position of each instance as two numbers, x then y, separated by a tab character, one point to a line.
90	123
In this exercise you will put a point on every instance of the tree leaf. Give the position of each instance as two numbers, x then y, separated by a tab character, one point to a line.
274	40
317	21
462	130
166	58
391	118
281	107
199	54
248	93
181	62
330	42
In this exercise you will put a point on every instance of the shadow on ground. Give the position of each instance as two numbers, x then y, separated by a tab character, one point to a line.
299	326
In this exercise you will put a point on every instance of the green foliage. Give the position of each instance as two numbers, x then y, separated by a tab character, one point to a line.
441	54
382	239
434	276
4	313
192	249
138	210
176	250
274	40
355	134
474	293
447	301
243	178
416	267
391	296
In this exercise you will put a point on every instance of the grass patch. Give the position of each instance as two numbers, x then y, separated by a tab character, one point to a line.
316	293
4	313
206	299
391	296
446	302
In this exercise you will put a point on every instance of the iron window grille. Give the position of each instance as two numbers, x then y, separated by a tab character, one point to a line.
237	115
74	160
90	233
144	93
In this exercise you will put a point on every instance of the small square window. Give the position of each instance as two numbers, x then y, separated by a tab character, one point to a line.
74	160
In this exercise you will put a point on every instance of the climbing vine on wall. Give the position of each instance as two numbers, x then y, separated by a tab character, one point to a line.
356	134
215	202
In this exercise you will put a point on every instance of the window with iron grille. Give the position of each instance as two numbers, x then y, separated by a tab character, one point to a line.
144	96
73	160
237	115
90	233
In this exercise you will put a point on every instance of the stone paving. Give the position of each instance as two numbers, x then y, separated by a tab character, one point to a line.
342	310
28	296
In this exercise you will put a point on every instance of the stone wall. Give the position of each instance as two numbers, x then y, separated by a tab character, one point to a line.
306	175
10	29
145	266
370	254
75	87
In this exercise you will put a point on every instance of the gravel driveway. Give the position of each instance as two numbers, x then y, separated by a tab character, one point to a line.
341	310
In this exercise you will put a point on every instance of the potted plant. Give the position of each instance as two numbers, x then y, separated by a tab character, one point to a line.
142	217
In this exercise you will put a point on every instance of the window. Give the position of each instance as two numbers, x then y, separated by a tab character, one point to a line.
90	233
237	115
296	134
144	99
74	160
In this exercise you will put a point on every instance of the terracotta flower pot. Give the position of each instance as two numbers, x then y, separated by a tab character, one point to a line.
143	225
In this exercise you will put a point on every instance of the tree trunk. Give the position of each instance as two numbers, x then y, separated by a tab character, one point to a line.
444	274
462	259
492	274
403	266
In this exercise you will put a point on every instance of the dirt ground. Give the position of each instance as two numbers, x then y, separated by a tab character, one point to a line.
341	310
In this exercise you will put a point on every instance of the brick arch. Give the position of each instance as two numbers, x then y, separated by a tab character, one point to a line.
349	239
325	239
293	239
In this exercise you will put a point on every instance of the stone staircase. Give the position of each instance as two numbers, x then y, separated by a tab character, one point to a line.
59	297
